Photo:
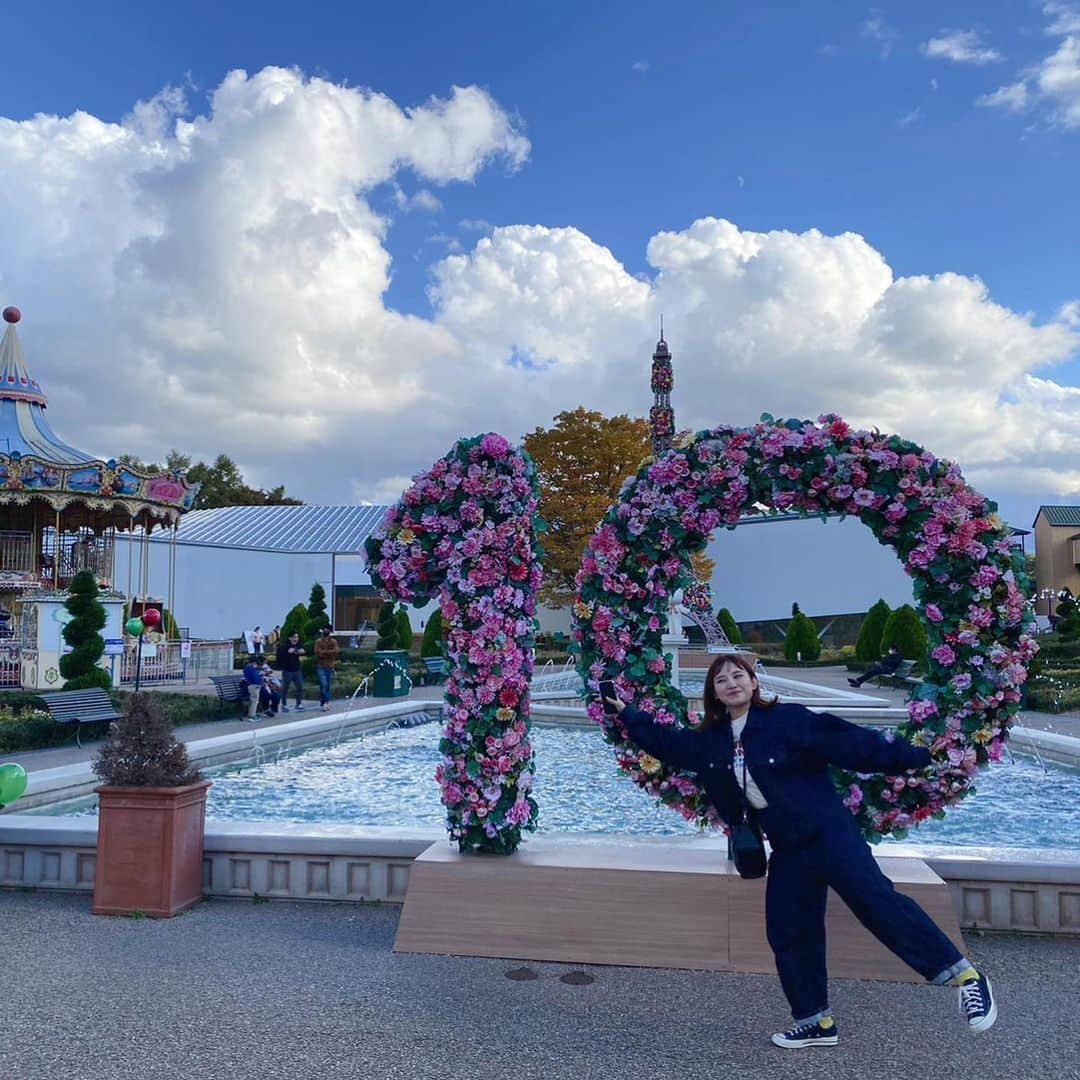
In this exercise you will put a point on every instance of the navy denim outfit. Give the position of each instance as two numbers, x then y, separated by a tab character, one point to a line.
814	838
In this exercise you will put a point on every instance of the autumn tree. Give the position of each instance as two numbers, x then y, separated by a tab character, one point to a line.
581	463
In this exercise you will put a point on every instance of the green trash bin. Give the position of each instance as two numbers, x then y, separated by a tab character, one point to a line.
391	673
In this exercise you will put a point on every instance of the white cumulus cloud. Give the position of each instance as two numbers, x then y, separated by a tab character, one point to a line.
216	282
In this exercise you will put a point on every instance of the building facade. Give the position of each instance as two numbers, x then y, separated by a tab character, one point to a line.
1057	554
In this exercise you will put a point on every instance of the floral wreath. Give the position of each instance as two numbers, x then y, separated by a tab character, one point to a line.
969	584
466	532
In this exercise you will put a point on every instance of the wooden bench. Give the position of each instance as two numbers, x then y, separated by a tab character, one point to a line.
437	670
902	676
80	707
230	688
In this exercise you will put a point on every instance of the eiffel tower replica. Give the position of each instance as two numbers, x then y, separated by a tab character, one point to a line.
697	600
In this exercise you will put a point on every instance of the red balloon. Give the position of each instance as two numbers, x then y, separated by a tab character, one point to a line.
12	314
152	617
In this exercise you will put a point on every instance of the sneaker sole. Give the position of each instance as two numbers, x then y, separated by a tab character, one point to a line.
986	1021
825	1040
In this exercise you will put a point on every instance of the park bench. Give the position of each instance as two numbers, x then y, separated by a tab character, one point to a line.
80	707
902	676
437	670
231	689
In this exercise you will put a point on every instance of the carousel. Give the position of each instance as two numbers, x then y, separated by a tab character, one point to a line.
60	513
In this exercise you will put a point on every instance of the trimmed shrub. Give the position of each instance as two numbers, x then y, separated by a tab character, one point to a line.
904	629
294	623
432	644
868	647
79	667
316	616
729	626
404	630
388	627
802	642
142	751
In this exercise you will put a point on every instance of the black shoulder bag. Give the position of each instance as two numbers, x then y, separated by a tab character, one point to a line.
745	845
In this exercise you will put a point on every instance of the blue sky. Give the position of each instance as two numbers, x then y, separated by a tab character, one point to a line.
773	115
648	117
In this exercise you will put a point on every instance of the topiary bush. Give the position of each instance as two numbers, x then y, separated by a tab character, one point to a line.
868	647
294	623
316	616
404	628
729	626
142	751
802	641
1068	612
904	629
432	643
388	627
79	667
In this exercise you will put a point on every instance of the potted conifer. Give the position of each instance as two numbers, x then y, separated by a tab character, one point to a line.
151	818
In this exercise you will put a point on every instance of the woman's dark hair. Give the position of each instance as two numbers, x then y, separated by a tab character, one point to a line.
715	710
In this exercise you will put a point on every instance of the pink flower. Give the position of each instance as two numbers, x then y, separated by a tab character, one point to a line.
933	613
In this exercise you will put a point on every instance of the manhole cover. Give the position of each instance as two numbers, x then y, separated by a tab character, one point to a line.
576	978
521	974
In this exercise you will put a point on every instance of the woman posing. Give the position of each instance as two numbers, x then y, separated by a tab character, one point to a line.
772	759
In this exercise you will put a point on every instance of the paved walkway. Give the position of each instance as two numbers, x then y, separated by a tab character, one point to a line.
276	991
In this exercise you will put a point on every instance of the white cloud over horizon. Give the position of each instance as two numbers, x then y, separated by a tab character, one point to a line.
217	284
961	47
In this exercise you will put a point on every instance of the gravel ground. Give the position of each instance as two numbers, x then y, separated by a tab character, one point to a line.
280	990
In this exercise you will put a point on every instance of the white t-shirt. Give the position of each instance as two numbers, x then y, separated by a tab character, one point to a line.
752	791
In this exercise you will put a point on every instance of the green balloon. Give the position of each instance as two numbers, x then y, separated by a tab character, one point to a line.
12	782
135	626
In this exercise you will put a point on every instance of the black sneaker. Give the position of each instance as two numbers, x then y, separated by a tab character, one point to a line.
977	1003
807	1035
853	682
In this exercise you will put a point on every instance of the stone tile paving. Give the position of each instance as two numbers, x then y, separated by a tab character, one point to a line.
232	991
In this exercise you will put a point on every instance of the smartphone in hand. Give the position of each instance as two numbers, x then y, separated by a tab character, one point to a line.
607	690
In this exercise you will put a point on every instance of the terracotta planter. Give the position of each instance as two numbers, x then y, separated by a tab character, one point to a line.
149	849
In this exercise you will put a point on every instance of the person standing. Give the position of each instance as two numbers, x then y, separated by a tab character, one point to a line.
273	639
257	642
770	762
289	655
326	661
253	680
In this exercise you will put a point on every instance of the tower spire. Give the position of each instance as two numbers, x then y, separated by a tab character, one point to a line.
662	415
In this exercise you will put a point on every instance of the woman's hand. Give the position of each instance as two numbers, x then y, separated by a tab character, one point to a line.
616	703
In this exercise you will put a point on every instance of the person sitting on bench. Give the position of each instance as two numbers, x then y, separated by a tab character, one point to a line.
887	665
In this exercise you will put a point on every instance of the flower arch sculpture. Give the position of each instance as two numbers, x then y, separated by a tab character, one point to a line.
466	532
969	584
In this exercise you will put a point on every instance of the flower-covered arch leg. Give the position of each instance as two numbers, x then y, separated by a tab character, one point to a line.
466	532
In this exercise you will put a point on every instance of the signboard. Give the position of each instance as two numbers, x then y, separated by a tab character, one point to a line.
149	651
114	646
185	650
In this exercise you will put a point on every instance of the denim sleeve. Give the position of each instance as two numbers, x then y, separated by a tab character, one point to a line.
850	746
673	745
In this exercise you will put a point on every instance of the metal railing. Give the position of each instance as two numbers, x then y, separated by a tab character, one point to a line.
17	552
165	661
10	665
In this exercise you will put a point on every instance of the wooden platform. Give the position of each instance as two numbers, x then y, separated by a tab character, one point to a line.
638	905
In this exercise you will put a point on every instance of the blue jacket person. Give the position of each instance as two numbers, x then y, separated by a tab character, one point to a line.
786	751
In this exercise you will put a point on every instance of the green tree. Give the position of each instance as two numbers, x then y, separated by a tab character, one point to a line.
432	644
729	626
316	617
581	463
80	666
404	630
868	645
802	641
294	622
388	628
904	629
222	482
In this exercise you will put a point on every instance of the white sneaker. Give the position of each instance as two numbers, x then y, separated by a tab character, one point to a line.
326	708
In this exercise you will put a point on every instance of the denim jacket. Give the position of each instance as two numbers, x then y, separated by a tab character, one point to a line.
788	752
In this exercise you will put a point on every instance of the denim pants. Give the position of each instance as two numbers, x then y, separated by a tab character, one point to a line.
297	679
326	677
795	895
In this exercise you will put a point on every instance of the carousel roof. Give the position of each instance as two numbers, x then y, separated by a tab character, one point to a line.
36	465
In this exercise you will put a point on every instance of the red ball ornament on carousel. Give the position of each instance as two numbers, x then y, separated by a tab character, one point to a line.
152	618
12	314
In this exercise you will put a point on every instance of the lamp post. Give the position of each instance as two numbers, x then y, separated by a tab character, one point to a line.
136	628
